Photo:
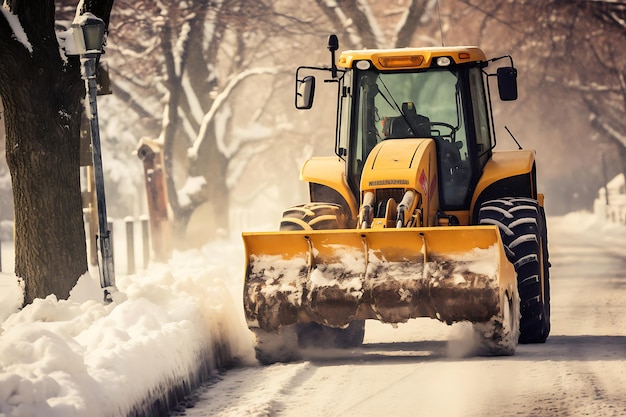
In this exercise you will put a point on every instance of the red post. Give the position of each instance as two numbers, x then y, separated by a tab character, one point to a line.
160	227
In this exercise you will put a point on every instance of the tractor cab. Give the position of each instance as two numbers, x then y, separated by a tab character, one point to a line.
430	93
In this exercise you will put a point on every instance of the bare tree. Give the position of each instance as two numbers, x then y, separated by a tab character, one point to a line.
573	47
601	82
193	62
216	67
363	24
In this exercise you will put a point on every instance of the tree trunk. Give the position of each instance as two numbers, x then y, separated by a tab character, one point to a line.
622	157
43	157
213	165
41	95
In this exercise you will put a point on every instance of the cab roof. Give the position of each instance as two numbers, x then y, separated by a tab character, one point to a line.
411	58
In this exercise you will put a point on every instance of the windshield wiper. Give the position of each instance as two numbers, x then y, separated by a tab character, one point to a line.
412	122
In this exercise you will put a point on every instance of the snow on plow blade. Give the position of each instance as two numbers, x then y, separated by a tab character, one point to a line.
333	277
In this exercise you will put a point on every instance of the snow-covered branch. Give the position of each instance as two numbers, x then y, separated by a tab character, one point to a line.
219	101
193	192
180	50
18	31
192	99
421	11
593	87
607	130
371	23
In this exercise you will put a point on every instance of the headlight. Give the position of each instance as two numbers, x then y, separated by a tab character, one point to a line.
443	61
363	65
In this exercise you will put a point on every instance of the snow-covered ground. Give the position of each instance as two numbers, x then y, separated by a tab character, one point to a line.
416	370
80	357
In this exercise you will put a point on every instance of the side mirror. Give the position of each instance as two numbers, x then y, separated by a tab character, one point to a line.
305	90
507	83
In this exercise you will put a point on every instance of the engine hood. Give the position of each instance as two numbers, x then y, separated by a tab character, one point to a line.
396	154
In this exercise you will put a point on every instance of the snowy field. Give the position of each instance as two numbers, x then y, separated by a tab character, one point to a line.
80	357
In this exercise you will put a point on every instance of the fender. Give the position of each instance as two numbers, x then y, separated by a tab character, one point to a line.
506	174
325	175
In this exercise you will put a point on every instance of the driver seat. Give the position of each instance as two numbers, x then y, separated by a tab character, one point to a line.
418	126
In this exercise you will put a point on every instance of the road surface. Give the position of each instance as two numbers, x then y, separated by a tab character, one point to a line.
418	369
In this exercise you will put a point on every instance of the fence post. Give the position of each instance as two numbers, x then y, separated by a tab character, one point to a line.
130	245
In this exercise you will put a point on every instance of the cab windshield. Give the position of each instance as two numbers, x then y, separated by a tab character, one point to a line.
423	104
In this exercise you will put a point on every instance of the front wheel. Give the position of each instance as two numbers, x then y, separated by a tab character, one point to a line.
279	346
284	345
315	335
322	216
499	336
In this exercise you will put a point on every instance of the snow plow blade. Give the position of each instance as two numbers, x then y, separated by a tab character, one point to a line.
333	277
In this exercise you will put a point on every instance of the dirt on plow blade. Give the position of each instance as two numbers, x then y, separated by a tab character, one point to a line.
333	277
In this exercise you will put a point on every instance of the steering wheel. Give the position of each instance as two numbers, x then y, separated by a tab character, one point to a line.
448	149
441	135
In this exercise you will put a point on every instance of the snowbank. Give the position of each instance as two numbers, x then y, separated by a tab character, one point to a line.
583	221
612	207
167	327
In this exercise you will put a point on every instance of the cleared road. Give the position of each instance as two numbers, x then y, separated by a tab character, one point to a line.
418	369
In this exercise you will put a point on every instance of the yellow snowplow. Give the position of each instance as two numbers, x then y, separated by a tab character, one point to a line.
415	216
337	276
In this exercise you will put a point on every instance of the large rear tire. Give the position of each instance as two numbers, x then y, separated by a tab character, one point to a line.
522	226
322	216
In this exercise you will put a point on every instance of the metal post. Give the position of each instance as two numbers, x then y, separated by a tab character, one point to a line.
107	272
130	245
93	216
112	239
